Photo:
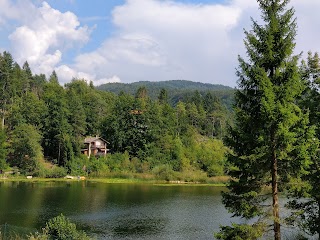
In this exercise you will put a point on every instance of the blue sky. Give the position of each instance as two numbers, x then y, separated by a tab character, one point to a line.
138	40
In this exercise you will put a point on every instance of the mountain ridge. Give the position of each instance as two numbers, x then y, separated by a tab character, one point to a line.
177	90
168	85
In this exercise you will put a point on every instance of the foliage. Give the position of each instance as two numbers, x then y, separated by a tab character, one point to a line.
79	165
3	150
26	150
55	172
60	228
163	172
270	140
304	191
145	129
175	90
241	232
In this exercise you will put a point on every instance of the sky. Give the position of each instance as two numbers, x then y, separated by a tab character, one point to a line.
139	40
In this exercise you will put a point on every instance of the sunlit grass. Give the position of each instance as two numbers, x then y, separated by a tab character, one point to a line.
126	179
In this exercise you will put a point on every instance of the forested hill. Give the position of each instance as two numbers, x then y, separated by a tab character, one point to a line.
176	89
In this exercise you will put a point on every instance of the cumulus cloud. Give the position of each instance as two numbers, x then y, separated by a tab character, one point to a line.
66	73
152	40
113	79
44	34
167	40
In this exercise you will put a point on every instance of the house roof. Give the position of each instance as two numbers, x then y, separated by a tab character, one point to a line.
93	139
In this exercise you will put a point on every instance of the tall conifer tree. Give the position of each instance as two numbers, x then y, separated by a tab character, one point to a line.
3	150
270	139
304	194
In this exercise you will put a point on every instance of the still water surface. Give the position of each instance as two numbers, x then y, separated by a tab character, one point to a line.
116	211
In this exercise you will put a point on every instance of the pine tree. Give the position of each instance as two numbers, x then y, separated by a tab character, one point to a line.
270	139
304	193
6	68
56	126
163	96
3	150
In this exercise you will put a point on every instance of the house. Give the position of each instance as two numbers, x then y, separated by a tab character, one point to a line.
95	146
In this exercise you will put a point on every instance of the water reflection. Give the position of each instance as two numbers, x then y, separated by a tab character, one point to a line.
117	211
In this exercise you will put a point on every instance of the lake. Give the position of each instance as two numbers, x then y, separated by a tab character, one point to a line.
116	211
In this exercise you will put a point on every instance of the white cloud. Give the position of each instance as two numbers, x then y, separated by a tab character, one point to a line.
113	79
66	74
167	40
44	34
153	39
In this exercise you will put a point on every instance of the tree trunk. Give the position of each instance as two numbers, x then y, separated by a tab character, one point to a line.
275	200
2	119
318	219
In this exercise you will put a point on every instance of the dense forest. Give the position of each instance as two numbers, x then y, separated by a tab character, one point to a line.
177	90
268	143
44	125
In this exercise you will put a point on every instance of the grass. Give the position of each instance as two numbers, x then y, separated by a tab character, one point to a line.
214	181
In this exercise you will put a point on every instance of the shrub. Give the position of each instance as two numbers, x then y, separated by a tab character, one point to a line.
192	175
56	172
60	228
163	172
78	165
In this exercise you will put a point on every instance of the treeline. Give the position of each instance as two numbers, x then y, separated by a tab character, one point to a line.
177	90
44	126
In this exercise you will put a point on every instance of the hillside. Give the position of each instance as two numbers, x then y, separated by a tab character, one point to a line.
176	89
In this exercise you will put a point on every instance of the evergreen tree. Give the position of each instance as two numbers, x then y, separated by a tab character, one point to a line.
163	96
56	126
77	120
6	69
305	199
270	139
3	149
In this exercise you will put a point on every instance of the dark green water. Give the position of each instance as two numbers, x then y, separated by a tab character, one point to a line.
116	211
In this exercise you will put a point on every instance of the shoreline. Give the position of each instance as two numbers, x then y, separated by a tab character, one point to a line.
115	181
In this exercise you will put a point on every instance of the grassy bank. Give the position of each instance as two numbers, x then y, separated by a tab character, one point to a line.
213	181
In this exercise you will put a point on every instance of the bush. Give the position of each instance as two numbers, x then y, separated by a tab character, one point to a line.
55	172
192	175
79	165
60	228
163	172
97	167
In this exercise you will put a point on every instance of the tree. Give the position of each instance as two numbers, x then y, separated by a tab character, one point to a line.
130	127
3	149
270	139
305	199
163	96
6	69
77	120
26	148
56	126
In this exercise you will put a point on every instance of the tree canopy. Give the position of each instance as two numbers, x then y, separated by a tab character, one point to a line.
271	137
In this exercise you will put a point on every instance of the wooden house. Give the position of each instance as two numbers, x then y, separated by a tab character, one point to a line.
94	146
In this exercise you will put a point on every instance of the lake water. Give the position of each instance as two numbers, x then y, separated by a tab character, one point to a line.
116	211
